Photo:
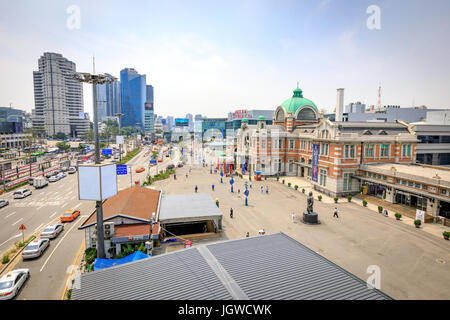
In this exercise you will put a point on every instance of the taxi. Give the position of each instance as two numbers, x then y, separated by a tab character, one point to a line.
69	215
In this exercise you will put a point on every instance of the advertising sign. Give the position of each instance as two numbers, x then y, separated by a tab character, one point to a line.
97	182
181	122
239	114
315	163
420	215
119	139
84	115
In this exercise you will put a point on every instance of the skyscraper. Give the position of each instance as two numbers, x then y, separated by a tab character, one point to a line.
149	110
133	98
108	99
58	97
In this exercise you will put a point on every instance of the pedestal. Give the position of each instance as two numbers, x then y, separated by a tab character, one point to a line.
312	218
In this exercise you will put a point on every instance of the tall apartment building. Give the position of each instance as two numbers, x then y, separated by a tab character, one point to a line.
133	98
108	99
149	111
58	97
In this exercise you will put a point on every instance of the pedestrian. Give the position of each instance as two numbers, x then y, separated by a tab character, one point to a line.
335	213
196	188
385	213
174	177
212	187
251	185
217	203
239	191
293	216
186	175
231	213
247	235
267	189
262	189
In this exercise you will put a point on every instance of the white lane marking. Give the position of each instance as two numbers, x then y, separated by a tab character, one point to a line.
53	214
38	227
17	222
45	263
9	215
11	238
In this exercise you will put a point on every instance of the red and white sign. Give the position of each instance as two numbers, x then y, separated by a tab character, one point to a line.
22	227
187	244
239	114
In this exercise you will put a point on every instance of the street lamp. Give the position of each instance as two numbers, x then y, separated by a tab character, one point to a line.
96	79
118	115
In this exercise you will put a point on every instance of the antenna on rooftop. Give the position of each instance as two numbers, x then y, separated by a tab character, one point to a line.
379	98
93	64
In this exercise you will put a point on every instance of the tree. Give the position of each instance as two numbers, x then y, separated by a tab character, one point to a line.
89	135
111	123
127	131
60	135
62	146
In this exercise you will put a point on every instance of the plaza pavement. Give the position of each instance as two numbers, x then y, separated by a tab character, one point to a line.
414	264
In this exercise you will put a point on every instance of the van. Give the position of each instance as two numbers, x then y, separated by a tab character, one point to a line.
40	183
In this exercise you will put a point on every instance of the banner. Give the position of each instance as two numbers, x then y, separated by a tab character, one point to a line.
315	163
420	215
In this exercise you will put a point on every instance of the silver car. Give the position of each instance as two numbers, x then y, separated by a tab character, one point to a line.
12	282
20	194
51	232
35	248
3	203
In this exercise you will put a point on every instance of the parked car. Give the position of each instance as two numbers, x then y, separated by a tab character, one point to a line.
35	248
69	215
72	170
50	174
30	181
170	166
53	179
61	175
180	165
22	193
140	170
40	183
64	169
51	232
3	203
12	282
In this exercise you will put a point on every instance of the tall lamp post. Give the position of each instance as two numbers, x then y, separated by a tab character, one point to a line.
96	79
118	115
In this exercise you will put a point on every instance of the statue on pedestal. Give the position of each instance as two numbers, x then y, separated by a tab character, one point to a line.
310	203
309	216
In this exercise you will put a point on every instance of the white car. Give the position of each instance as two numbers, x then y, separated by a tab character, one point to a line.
54	178
3	203
12	282
72	170
51	232
35	249
22	193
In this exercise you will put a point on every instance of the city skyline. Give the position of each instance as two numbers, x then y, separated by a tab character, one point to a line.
214	58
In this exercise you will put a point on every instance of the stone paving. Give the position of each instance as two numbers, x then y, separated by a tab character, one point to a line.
414	263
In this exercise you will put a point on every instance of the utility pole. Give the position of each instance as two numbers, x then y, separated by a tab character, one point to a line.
120	145
96	79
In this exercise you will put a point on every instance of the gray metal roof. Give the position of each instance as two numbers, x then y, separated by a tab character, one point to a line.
263	267
183	206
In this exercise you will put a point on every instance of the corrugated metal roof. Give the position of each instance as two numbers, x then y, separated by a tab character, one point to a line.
181	206
264	267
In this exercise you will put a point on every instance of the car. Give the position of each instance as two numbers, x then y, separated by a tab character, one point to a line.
30	181
61	175
3	203
69	215
50	174
52	231
170	166
72	170
22	193
57	171
64	169
35	248
140	170
53	179
12	282
180	165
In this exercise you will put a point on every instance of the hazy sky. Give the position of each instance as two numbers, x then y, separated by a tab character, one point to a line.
212	57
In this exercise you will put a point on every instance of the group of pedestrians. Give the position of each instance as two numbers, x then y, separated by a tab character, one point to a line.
267	190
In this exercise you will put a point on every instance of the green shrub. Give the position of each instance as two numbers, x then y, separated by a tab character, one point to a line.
296	187
380	209
417	222
89	255
336	199
303	190
289	184
69	294
349	198
5	259
446	234
319	197
397	215
278	178
364	202
282	181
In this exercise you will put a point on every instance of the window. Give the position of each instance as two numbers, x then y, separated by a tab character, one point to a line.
384	150
291	144
424	187
322	177
291	165
280	144
417	185
369	150
347	182
324	134
324	148
410	184
349	151
404	182
303	145
263	143
444	192
310	146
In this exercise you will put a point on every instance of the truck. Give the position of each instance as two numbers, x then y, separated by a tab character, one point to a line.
40	182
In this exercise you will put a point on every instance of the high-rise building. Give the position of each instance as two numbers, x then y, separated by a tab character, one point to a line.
108	99
149	111
191	122
133	98
58	97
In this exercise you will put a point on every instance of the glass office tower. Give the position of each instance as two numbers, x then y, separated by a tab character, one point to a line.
133	98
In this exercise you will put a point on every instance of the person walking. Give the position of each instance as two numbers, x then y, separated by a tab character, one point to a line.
247	235
267	189
336	213
251	185
231	213
262	189
212	187
293	217
217	203
186	175
174	177
196	188
385	213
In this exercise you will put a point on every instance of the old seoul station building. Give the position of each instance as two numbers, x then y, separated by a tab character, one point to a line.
343	158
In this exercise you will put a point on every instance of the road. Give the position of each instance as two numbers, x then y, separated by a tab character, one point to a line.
43	207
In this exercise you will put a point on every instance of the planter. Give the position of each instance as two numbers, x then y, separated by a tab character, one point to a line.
446	237
417	225
397	218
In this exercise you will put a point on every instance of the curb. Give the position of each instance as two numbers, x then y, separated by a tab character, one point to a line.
79	253
15	256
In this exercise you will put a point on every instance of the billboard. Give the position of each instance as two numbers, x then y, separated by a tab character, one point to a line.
315	163
181	122
239	114
84	115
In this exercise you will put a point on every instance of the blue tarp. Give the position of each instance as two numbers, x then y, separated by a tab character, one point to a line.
107	263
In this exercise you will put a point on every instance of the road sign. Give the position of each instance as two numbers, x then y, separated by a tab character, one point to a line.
22	227
121	170
106	151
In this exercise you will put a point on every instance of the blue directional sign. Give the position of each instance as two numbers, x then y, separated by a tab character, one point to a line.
106	151
121	169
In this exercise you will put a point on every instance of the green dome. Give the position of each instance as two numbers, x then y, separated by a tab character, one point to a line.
261	118
297	101
244	120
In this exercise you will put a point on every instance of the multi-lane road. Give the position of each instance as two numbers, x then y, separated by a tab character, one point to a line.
44	207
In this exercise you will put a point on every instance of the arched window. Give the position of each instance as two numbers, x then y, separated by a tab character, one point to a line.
280	115
306	114
324	134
